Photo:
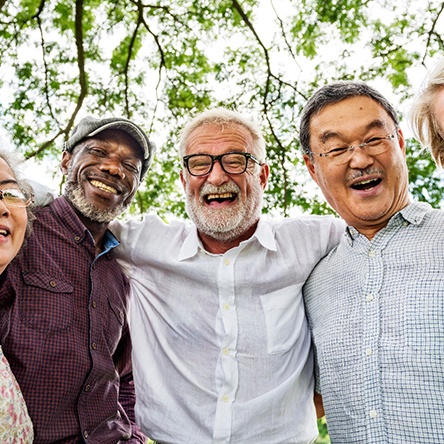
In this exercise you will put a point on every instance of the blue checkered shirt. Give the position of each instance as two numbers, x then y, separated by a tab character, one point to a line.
376	309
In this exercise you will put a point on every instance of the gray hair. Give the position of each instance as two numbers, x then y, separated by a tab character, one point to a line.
423	121
224	117
14	161
333	93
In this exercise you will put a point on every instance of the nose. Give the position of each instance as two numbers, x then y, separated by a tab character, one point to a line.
4	210
113	167
217	175
360	159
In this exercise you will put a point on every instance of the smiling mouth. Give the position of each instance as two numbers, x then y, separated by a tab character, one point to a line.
366	184
222	197
4	232
103	187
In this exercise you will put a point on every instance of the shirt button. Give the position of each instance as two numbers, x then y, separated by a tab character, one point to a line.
370	297
369	351
77	238
405	223
226	306
87	388
85	434
53	284
227	262
94	346
373	413
226	351
94	304
372	253
225	398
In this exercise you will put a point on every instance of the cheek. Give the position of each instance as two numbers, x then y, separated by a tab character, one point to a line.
192	185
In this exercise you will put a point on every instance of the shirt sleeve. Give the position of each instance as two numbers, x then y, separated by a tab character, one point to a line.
337	229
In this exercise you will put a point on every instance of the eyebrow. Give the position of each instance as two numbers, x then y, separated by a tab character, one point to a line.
377	123
8	181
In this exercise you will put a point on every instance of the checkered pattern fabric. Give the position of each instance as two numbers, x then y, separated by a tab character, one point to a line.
376	309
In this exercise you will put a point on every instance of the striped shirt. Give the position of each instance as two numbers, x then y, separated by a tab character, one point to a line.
376	309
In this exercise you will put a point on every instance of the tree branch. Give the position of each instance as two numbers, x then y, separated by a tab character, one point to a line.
432	32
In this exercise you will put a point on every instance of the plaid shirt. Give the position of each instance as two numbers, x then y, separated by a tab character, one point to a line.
376	308
64	331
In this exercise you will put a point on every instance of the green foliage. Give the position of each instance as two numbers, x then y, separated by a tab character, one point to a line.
161	62
323	432
426	182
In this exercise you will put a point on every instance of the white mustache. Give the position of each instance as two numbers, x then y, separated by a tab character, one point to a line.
229	187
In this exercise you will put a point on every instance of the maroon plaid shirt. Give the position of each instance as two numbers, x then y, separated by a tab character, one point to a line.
64	330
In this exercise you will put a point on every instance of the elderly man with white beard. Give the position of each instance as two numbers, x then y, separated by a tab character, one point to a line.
221	346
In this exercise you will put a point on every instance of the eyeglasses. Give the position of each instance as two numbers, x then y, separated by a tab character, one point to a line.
16	198
373	147
231	163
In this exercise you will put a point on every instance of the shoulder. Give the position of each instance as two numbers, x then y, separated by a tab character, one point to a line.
313	227
313	222
150	227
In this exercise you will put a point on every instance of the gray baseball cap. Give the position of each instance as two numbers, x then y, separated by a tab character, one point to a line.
90	126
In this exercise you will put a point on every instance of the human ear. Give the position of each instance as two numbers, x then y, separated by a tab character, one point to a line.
66	159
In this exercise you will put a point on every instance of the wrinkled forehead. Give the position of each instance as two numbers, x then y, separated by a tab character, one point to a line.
218	137
348	116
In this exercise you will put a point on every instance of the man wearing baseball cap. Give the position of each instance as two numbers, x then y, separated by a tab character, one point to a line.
63	306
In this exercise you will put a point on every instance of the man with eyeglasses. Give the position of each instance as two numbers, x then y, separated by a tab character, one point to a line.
221	347
376	303
63	317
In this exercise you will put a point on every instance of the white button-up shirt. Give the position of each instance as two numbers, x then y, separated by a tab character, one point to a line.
221	346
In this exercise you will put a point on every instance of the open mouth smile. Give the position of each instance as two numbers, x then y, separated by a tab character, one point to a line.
103	187
366	184
220	198
4	232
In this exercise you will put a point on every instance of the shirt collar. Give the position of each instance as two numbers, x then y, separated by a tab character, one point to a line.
264	235
64	211
413	213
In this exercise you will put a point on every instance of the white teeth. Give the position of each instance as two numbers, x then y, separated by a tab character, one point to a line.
3	232
220	196
103	187
365	182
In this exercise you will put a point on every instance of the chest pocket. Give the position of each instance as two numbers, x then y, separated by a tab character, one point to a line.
285	318
113	330
46	303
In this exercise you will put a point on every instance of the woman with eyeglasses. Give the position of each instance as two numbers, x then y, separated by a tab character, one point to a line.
15	225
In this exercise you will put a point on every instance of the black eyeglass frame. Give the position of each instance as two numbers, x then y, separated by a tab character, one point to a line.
219	158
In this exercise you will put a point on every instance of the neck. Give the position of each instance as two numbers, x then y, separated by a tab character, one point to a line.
370	231
217	246
97	229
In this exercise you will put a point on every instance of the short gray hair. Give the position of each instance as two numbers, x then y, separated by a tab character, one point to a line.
333	93
224	117
423	121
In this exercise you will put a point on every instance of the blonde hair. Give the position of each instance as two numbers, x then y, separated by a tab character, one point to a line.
224	117
423	121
